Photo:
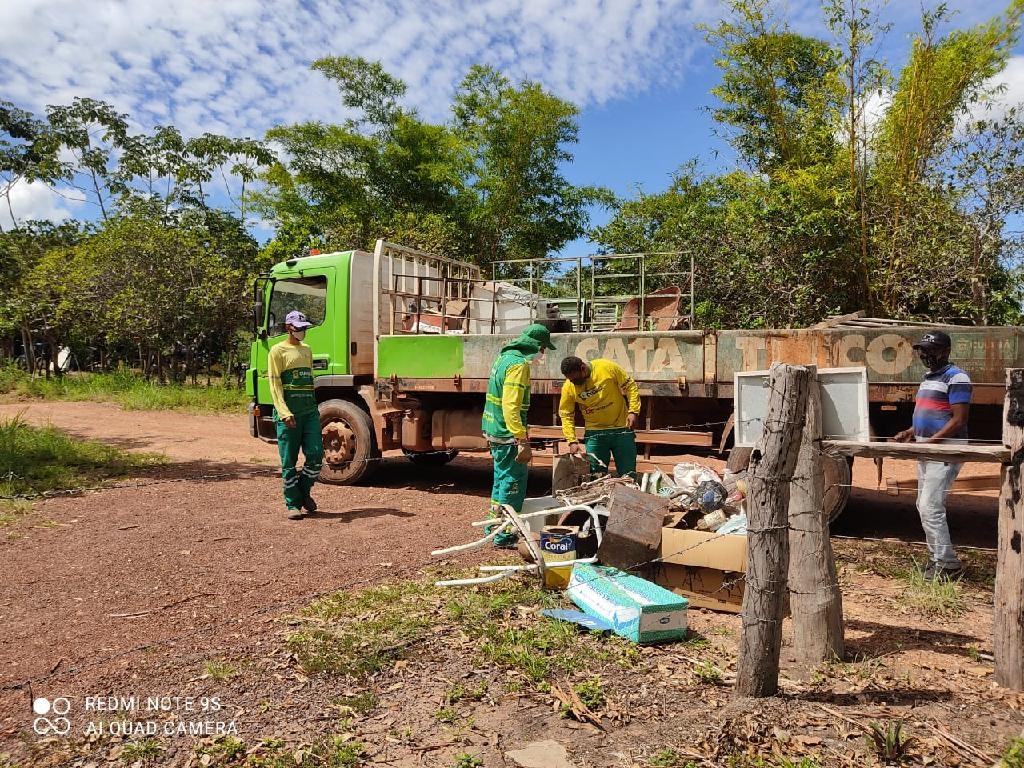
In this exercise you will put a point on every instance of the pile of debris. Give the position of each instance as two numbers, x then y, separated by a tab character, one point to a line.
625	549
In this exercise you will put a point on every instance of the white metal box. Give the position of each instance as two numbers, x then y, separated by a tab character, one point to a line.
844	404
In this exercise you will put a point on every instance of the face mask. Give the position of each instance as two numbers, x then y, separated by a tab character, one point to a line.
538	358
930	360
299	335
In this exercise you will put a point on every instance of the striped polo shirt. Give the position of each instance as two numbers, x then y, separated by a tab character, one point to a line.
938	393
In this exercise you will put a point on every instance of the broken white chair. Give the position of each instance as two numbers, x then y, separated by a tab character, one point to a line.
511	520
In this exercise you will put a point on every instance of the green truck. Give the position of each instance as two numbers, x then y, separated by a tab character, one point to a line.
403	342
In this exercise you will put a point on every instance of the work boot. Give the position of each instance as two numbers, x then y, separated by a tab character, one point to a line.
937	571
309	505
295	514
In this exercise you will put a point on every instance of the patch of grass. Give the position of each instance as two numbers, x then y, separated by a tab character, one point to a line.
328	752
458	692
145	750
447	715
219	670
707	673
591	693
670	758
34	460
359	704
12	511
697	642
889	743
938	597
746	761
360	634
220	750
467	760
1013	755
126	388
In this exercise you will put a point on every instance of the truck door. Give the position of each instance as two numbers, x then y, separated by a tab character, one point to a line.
309	294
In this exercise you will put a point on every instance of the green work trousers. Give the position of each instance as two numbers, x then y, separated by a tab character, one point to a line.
619	442
305	435
510	476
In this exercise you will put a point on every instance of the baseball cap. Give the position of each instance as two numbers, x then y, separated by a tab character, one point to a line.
540	334
934	340
297	320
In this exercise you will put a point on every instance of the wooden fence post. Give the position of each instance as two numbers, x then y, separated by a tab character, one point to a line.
771	470
1008	643
814	595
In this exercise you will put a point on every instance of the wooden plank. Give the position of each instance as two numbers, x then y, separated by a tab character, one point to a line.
895	487
1008	631
921	451
655	436
832	322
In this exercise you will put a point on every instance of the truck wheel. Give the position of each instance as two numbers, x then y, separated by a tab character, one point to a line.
430	458
350	446
838	472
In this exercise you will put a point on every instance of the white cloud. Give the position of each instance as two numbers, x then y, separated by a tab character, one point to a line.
243	65
33	200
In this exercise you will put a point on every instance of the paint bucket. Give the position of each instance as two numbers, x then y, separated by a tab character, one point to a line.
558	545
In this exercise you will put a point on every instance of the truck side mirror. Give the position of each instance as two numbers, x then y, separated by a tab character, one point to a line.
257	319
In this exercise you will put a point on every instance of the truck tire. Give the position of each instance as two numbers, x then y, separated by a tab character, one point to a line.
838	472
836	468
430	458
350	445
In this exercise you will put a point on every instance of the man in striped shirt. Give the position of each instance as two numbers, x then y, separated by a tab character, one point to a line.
940	416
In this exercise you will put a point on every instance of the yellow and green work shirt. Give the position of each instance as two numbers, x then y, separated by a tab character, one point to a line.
600	399
290	371
508	396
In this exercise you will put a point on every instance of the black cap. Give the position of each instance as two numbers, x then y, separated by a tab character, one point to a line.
934	340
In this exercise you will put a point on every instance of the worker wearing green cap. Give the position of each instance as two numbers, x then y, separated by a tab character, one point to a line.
504	421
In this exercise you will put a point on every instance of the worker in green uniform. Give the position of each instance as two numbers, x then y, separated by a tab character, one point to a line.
609	399
290	370
504	421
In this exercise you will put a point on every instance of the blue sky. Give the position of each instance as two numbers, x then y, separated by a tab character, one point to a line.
638	69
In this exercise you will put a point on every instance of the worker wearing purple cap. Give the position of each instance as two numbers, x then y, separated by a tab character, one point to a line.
940	416
290	370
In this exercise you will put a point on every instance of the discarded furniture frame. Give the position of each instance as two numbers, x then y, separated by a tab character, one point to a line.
513	521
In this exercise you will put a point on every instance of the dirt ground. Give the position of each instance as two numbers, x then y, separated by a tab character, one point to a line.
137	588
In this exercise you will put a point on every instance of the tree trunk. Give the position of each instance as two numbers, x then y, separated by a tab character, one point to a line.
30	352
771	471
814	595
1009	591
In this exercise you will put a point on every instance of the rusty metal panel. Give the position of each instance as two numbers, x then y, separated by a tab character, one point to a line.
649	356
984	352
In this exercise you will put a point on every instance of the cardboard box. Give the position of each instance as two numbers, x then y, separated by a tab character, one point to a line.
704	587
635	608
705	567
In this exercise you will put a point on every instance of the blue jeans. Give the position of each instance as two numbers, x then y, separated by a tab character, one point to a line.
934	479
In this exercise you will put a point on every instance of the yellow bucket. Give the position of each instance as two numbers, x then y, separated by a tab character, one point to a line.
558	545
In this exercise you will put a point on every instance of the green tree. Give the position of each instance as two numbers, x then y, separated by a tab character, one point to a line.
921	235
28	152
523	206
780	93
485	186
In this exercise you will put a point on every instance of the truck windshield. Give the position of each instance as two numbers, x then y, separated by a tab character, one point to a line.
306	294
